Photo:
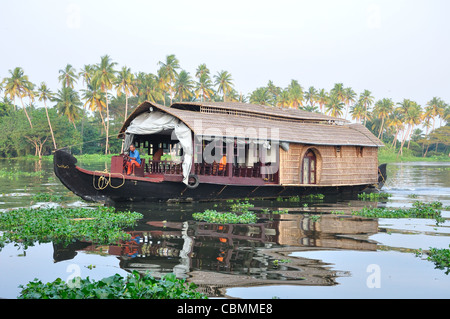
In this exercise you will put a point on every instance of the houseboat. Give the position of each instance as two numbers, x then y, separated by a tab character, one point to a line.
219	150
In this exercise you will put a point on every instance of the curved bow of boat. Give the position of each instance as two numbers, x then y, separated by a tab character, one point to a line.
64	166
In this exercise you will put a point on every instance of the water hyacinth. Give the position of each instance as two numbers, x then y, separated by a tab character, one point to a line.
102	225
134	286
419	210
212	216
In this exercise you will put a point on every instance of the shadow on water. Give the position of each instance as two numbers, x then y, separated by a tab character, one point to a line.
297	249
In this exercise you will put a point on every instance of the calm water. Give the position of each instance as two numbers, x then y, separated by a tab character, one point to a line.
284	255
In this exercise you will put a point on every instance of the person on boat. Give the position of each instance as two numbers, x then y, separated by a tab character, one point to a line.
134	160
158	154
222	163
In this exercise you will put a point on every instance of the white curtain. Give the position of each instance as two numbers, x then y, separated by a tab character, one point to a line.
154	122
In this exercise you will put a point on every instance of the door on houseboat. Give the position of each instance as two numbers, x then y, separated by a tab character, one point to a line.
309	168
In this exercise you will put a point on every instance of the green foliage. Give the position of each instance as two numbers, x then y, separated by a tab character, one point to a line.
102	225
298	198
374	196
18	139
440	257
134	286
419	210
46	197
16	174
239	207
212	216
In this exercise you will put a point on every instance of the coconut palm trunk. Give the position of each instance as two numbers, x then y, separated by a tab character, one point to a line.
50	125
26	113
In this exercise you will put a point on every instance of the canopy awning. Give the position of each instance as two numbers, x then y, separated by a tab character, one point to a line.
154	122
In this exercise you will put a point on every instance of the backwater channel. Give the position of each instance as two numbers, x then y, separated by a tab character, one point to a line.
292	255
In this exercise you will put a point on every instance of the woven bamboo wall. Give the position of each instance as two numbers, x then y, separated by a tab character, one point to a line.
344	165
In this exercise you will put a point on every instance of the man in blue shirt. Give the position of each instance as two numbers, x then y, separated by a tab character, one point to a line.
134	160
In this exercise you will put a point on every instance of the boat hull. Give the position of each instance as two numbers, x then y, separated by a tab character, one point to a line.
104	187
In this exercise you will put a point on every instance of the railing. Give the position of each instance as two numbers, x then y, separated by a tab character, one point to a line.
164	167
213	169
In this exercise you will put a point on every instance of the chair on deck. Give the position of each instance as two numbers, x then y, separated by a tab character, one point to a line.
139	171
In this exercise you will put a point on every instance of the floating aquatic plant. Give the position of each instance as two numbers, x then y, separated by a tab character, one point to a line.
440	258
374	196
134	286
46	197
103	225
419	210
212	216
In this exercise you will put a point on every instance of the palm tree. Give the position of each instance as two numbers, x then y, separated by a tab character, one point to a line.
203	87
148	88
284	99
296	94
86	74
95	100
68	76
44	95
261	96
274	90
68	103
105	77
349	98
395	120
435	108
412	115
184	86
162	82
224	83
169	71
311	96
339	91
125	83
357	111
18	85
366	100
322	98
201	69
334	105
383	108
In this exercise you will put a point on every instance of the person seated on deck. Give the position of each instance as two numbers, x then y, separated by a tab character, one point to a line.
222	163
158	154
134	160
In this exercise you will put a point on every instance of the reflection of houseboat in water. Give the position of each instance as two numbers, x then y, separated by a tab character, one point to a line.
220	256
231	150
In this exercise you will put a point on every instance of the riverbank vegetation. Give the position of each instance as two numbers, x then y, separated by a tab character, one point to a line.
86	112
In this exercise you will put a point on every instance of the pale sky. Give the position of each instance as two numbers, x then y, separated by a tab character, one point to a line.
396	49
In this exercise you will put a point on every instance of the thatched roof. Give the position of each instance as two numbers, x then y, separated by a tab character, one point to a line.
262	110
293	126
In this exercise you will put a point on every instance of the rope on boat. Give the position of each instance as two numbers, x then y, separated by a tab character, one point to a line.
104	182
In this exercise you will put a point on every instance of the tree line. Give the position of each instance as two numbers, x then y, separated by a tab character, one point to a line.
109	93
